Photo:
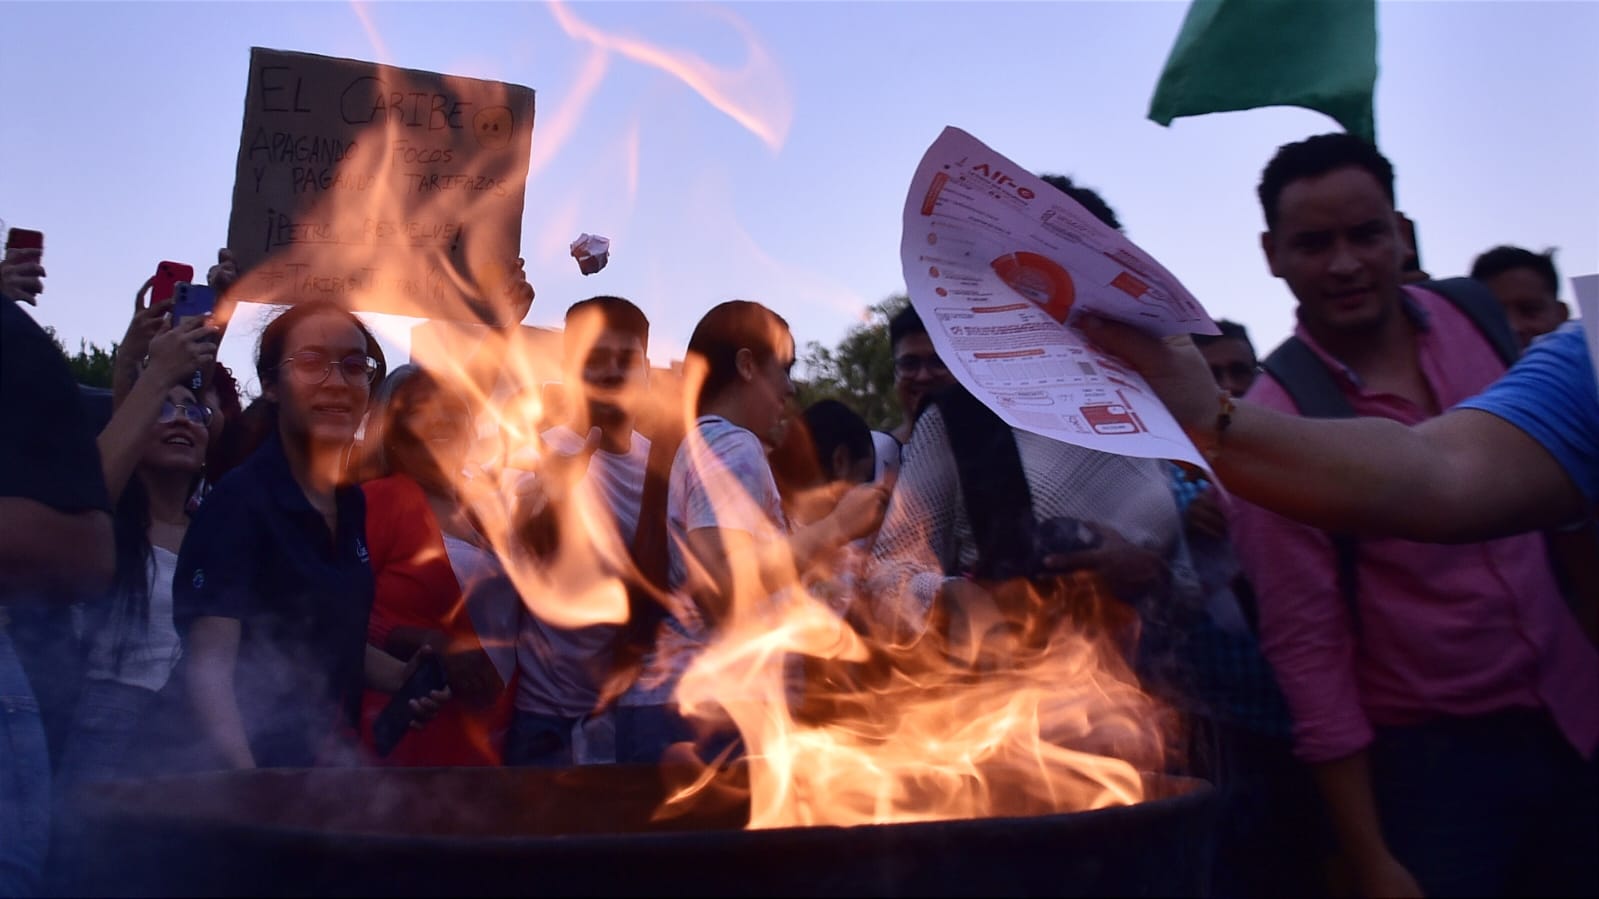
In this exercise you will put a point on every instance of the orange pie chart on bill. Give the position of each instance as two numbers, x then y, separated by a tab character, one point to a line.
1040	279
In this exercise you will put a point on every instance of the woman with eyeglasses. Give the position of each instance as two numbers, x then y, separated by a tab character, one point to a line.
152	453
273	585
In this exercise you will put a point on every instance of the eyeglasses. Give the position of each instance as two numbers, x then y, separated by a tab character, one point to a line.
910	363
312	368
170	411
1241	371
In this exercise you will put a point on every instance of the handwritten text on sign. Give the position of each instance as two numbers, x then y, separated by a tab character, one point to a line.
385	189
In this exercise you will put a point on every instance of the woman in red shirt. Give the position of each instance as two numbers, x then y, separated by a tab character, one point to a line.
437	582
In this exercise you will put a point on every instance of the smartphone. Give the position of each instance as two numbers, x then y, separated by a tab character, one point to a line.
167	277
24	239
192	299
394	722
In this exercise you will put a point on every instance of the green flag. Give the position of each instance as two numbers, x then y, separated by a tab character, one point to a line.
1243	54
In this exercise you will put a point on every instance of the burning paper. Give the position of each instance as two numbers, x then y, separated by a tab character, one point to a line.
591	252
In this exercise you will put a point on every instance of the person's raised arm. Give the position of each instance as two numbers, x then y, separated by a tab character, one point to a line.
147	321
174	354
724	561
858	513
1463	476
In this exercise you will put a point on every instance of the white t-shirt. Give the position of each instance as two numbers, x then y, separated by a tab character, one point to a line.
887	448
151	648
720	479
491	601
561	670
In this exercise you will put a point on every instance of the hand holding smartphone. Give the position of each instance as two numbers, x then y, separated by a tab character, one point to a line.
167	277
394	721
22	277
188	301
191	300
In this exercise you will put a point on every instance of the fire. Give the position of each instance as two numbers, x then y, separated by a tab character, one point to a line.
712	203
755	96
362	12
1048	722
558	125
1038	714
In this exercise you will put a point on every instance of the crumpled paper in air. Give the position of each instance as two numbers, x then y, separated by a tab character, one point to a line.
591	252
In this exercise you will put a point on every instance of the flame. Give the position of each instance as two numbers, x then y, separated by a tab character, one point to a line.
436	277
632	162
1024	705
926	730
755	96
557	126
1037	713
713	207
379	48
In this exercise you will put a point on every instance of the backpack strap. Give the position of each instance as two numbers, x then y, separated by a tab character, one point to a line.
999	504
1315	392
1477	302
1310	384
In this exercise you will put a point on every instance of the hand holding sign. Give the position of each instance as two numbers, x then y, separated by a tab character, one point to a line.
222	275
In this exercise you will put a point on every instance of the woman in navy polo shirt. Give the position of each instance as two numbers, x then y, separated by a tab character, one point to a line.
273	588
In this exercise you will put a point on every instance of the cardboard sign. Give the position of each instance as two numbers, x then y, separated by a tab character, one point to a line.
384	189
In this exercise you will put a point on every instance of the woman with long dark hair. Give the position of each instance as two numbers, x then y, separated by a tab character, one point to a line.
153	454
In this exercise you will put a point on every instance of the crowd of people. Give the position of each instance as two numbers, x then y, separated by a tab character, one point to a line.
1379	640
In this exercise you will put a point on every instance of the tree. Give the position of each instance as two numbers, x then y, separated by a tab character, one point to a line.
91	365
859	372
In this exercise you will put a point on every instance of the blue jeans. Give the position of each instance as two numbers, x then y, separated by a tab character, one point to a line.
102	741
1493	805
643	732
24	779
539	741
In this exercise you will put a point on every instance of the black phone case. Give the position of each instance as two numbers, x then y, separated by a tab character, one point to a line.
394	722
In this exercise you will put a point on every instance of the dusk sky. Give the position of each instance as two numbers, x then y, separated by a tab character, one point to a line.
777	170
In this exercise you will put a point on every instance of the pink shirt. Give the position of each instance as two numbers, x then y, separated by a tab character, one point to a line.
1444	630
